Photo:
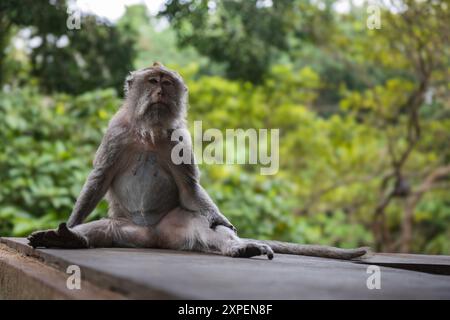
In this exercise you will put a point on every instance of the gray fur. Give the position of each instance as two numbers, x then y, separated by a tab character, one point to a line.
153	202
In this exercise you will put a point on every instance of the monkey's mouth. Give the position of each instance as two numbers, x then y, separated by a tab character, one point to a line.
157	110
158	105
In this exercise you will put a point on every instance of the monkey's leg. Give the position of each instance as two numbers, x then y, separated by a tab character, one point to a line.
101	233
185	230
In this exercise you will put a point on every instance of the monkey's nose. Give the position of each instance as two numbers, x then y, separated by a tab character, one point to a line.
157	96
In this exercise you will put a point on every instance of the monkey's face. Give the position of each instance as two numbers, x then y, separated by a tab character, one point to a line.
156	94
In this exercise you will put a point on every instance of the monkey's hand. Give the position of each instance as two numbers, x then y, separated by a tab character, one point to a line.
215	219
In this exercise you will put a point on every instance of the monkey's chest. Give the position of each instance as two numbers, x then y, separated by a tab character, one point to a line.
145	190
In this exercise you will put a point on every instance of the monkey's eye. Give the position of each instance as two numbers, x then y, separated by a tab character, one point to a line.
153	80
166	83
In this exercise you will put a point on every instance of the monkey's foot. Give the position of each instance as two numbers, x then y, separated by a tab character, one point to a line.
62	237
251	249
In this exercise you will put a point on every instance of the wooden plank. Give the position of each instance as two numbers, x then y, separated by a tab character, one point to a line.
415	262
141	273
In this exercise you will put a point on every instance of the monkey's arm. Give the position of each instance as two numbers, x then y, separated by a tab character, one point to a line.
192	196
100	178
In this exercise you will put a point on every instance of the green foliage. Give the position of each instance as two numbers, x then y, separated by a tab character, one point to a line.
156	45
329	180
97	56
72	61
344	98
42	15
49	143
247	36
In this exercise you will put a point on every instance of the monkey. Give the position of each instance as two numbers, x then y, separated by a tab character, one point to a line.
152	201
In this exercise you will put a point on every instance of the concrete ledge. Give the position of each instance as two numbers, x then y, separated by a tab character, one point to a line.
23	277
114	273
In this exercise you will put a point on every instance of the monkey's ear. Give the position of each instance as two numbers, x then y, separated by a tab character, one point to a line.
128	82
157	64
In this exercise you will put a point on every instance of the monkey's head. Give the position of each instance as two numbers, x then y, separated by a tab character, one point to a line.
156	96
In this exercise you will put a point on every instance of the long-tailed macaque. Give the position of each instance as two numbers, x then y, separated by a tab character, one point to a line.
154	203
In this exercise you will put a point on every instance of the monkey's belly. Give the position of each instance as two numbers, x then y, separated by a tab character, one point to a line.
145	190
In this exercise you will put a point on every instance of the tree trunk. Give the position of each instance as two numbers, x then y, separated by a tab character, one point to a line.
413	200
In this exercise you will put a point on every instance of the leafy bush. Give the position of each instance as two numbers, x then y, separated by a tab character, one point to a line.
48	144
325	192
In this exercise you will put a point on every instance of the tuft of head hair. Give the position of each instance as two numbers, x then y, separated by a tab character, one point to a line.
157	64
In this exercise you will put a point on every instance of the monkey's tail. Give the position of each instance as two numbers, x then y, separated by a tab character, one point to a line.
315	250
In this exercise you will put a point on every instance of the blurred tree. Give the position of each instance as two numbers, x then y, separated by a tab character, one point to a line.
74	61
96	56
156	41
364	115
247	36
418	44
44	16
